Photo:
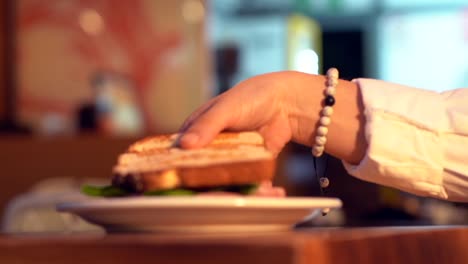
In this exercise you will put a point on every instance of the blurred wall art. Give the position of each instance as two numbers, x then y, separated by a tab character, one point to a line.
119	67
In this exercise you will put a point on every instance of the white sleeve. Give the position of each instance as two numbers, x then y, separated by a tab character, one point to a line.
417	140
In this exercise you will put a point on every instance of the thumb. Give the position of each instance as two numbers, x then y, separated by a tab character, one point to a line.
277	134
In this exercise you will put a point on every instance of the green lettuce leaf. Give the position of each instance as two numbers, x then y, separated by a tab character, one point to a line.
111	191
103	191
171	192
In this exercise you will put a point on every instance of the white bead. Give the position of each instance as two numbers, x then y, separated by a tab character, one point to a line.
318	148
325	121
324	182
317	154
330	90
332	73
327	111
317	151
322	131
320	140
325	211
333	82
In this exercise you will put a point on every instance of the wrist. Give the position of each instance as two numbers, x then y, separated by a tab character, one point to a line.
305	96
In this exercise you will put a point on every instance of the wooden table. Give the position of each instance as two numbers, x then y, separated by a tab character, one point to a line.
320	245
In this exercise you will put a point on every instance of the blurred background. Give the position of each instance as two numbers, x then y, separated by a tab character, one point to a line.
81	79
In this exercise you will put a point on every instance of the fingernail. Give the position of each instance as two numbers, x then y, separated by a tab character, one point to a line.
183	128
189	139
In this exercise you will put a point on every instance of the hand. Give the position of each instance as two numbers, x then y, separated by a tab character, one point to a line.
264	103
282	106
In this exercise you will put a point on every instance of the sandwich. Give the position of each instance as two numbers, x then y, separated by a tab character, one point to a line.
235	163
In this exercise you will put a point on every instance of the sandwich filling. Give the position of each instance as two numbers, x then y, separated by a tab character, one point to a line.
264	189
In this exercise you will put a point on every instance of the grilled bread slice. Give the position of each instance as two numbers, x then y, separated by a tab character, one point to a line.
157	163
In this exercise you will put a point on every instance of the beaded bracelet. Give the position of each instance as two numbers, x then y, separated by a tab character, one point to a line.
325	119
327	112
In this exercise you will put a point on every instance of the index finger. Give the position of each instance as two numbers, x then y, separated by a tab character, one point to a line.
204	127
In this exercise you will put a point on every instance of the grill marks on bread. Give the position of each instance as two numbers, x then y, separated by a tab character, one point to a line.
157	163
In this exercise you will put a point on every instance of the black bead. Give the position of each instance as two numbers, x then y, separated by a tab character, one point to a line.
329	100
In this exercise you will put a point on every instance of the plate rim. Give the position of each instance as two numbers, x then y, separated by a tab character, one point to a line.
199	202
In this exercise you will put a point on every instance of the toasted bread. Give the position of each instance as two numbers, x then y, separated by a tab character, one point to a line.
157	163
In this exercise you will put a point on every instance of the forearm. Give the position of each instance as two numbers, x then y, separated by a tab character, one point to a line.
345	139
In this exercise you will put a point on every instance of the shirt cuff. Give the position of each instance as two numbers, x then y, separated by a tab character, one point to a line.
403	134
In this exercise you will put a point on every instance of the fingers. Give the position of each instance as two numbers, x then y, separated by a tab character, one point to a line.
201	110
250	105
203	127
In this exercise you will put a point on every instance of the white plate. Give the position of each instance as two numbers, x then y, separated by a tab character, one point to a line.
197	214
